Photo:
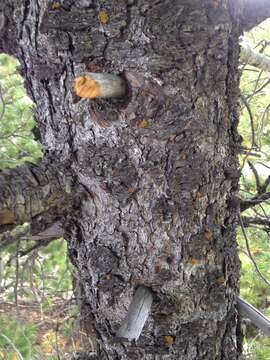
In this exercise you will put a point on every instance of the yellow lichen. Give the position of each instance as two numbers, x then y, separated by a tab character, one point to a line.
208	235
193	261
199	195
143	124
168	339
131	190
172	137
104	17
56	5
221	280
183	156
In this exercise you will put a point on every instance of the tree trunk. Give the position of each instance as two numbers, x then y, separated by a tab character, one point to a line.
158	167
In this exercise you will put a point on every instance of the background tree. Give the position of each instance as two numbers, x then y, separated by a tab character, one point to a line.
163	161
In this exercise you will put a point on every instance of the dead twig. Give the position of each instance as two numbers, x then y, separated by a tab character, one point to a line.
250	254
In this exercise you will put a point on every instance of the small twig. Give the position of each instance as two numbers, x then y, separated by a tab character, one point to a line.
253	140
265	184
42	243
17	277
249	153
255	172
3	104
260	89
249	251
256	200
267	166
261	121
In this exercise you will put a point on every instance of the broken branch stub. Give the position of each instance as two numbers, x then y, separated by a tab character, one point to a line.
95	85
137	314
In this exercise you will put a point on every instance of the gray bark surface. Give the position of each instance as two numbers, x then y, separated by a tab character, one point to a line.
158	167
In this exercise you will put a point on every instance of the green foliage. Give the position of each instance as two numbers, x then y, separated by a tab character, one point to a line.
255	87
16	118
42	283
256	90
16	338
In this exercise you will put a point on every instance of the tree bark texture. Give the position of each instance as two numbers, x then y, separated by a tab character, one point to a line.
158	168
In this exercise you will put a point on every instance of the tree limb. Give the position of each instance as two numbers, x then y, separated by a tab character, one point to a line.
254	12
247	203
253	57
254	315
27	232
248	220
28	191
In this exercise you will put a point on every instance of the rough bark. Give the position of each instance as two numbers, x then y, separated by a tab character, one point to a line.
158	167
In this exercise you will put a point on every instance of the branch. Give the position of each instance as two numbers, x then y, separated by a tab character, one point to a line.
253	141
28	191
256	175
253	57
249	252
247	203
254	12
28	232
254	315
248	220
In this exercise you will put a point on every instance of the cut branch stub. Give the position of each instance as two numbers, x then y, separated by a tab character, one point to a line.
101	85
137	314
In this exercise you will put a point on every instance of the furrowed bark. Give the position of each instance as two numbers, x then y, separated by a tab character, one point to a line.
158	167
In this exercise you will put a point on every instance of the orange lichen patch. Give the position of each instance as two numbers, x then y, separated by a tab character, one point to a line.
143	124
172	137
168	339
199	195
131	190
193	261
183	156
221	280
56	5
104	17
7	217
208	235
142	93
86	87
